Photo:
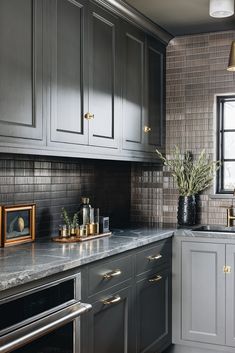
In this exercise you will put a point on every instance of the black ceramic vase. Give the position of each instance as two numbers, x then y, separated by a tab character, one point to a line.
187	211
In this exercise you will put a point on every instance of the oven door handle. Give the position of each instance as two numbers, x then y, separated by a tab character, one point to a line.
39	328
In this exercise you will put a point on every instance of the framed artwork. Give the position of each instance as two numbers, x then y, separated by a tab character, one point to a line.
18	224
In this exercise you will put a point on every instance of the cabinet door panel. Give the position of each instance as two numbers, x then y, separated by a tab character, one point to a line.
103	79
155	79
230	296
203	292
109	325
154	313
133	87
21	69
68	29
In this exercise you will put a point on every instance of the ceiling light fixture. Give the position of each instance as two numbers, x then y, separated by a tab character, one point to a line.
231	62
221	8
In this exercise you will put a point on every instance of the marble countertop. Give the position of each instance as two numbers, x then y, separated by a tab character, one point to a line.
27	262
220	234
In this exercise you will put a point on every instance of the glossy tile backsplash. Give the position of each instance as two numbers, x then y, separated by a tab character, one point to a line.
56	182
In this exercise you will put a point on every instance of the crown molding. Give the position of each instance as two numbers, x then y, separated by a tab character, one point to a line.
130	14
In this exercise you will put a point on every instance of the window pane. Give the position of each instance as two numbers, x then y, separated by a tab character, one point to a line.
229	175
229	115
229	145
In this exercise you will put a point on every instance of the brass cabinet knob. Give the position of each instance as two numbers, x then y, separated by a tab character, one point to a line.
112	274
154	258
147	129
227	269
155	279
89	116
112	300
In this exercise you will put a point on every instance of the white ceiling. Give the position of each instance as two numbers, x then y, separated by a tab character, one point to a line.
180	17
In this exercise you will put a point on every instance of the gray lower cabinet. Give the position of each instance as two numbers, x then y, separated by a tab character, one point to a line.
131	304
110	322
21	76
153	297
230	296
203	292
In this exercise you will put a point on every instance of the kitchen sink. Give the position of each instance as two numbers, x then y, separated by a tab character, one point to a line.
215	229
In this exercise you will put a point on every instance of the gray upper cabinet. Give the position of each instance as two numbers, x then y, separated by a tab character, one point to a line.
77	80
133	56
104	78
21	71
203	292
67	26
154	126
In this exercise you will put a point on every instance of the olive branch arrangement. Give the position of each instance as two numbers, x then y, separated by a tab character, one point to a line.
192	176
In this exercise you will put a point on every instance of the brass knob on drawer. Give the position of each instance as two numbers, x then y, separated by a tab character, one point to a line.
154	258
89	116
112	274
147	129
155	279
112	300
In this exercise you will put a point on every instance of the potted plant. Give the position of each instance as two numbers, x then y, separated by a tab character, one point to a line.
192	177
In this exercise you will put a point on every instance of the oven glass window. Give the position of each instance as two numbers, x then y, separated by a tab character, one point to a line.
59	341
18	310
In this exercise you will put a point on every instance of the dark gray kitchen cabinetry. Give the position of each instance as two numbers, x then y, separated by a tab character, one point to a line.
153	298
104	78
133	54
143	90
131	299
21	76
110	322
67	28
154	126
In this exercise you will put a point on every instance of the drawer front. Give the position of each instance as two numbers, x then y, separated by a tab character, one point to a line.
152	257
107	274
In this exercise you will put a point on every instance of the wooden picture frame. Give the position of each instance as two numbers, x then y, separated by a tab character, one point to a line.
17	224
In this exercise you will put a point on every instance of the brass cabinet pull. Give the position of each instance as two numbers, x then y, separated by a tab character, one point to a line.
89	116
147	129
227	269
112	300
154	258
155	279
112	274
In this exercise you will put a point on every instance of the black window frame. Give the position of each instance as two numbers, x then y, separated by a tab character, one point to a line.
220	101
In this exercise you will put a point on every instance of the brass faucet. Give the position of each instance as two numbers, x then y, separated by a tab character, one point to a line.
230	216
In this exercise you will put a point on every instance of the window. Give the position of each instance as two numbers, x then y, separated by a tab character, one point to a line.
226	143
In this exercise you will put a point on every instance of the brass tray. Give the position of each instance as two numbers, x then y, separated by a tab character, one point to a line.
79	239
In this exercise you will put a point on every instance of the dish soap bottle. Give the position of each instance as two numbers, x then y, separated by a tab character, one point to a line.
84	211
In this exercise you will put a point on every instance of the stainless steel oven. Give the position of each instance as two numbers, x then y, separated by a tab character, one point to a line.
45	319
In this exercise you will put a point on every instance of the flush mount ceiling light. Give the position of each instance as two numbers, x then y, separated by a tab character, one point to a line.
231	62
221	8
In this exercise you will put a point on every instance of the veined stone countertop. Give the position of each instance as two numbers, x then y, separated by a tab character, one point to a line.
28	262
210	235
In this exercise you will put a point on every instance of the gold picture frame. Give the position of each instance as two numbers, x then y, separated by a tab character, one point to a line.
17	223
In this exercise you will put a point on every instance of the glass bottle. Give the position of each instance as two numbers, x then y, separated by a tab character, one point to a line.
84	211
